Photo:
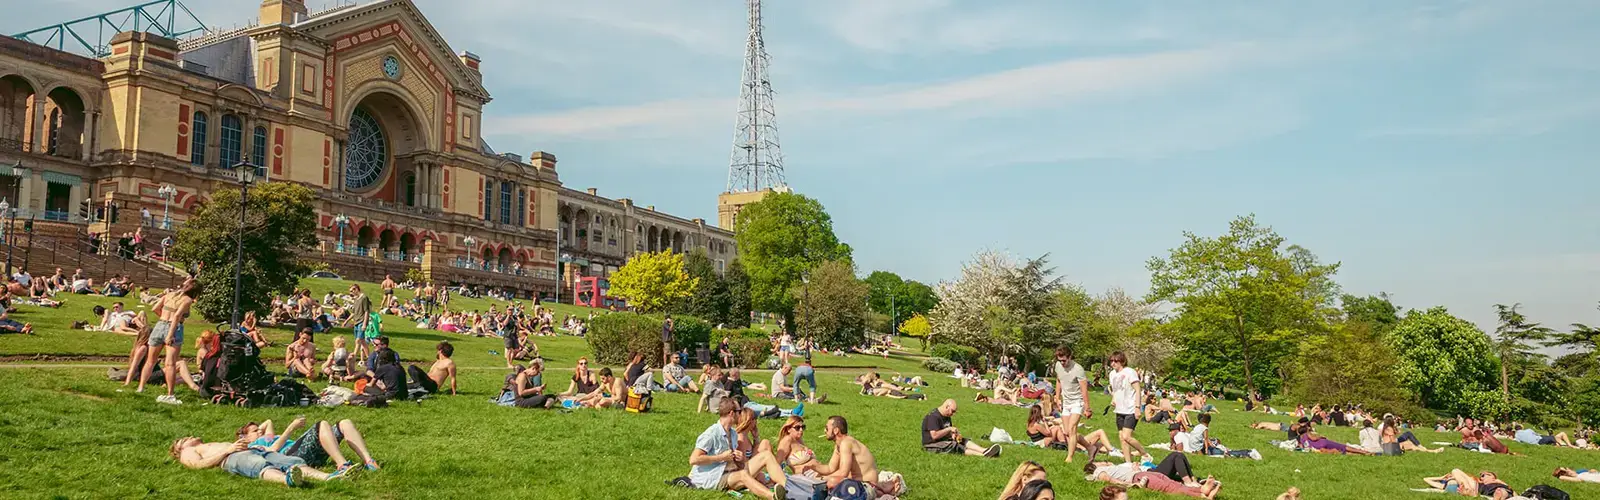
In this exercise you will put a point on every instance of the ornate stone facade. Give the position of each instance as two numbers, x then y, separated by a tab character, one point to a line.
364	104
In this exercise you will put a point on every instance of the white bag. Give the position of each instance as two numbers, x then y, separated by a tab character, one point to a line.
999	435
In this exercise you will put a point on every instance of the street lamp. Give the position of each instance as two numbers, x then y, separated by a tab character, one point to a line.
472	245
246	175
6	211
167	193
340	220
90	203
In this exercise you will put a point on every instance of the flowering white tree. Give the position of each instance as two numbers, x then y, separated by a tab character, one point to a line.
996	288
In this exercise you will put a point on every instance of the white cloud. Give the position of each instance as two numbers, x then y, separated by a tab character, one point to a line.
611	122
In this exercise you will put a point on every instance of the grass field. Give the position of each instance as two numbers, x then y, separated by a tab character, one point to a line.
66	432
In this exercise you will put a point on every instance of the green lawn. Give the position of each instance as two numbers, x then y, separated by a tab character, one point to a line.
67	432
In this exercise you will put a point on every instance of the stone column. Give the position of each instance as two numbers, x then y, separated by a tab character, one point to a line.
74	197
39	191
40	128
85	142
24	189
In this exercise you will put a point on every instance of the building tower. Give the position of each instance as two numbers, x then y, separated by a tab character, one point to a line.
756	167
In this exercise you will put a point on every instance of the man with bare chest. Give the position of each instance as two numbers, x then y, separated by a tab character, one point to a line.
851	459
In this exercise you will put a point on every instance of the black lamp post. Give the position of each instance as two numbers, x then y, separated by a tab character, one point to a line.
247	176
11	215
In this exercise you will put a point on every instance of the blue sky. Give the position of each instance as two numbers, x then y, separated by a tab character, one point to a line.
1443	151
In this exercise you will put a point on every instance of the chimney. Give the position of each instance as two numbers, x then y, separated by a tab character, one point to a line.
283	11
542	159
472	61
651	208
593	191
141	46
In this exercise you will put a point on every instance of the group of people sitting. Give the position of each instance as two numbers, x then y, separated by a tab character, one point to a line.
731	456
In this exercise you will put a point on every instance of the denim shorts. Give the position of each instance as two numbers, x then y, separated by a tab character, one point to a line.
250	463
159	334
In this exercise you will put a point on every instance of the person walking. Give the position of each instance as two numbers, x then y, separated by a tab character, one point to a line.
1126	392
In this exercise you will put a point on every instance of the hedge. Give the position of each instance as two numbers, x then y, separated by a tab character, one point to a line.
613	336
688	332
965	356
939	365
750	346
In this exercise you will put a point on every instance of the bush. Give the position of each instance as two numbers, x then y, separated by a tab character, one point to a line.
962	355
939	365
613	336
750	346
688	332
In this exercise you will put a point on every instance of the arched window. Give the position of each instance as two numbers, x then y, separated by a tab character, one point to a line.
197	139
232	144
411	190
505	203
367	154
258	152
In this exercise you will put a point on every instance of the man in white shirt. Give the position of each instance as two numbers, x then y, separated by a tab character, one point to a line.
1073	388
23	278
714	450
1126	392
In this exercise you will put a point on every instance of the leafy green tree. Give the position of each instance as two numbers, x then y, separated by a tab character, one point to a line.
1338	367
280	223
833	306
899	298
1244	300
1442	358
738	294
653	281
1375	310
1513	337
780	239
916	326
710	299
1076	315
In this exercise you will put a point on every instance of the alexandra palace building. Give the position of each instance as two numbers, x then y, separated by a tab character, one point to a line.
366	105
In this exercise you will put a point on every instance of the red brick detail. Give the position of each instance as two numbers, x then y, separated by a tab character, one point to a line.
533	220
119	50
445	193
472	64
482	185
277	151
161	54
327	160
183	129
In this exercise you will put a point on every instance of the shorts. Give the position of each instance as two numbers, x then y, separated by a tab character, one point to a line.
1452	487
786	348
1547	440
388	292
511	341
252	462
165	333
1127	421
954	447
1071	408
309	447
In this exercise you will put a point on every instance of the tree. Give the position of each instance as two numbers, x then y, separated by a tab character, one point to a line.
1442	358
653	281
280	223
780	238
1243	300
710	299
899	298
1583	339
833	306
1375	310
1338	367
916	326
1512	338
738	294
994	288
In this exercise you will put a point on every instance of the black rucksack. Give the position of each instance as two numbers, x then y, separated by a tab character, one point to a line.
1546	492
238	372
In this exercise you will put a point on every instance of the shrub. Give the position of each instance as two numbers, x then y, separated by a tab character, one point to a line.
959	354
613	336
750	346
939	365
688	332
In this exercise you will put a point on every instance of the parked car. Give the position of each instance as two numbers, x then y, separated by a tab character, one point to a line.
325	274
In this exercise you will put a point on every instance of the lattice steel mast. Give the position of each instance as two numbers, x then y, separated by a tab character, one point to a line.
757	161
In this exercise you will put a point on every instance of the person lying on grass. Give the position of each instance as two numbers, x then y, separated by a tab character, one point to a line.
1173	476
1311	440
1530	436
118	320
733	385
1577	476
1055	437
318	446
1484	484
871	385
717	464
940	435
239	459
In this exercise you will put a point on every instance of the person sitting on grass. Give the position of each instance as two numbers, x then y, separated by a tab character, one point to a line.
1484	484
674	379
792	450
1038	489
611	394
780	378
939	434
637	373
318	446
338	366
300	357
1027	472
851	458
750	441
239	459
1050	436
443	368
1394	442
388	379
583	382
716	463
529	387
1577	476
735	387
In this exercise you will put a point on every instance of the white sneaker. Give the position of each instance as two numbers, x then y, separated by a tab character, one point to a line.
168	399
1116	453
1255	454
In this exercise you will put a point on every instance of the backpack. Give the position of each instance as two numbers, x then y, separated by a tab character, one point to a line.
1546	492
369	401
238	373
285	393
639	403
799	487
849	489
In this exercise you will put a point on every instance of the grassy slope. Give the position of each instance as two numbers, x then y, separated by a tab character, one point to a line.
68	432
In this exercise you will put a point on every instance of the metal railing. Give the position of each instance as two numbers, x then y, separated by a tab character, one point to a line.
43	254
